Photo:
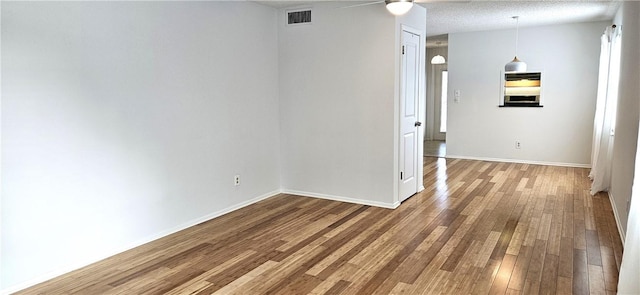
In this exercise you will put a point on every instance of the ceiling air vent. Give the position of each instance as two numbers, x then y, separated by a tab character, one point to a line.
298	17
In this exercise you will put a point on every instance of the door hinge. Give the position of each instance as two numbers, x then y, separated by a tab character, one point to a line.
401	175
402	49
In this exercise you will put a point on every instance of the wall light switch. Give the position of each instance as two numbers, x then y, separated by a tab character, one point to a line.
456	96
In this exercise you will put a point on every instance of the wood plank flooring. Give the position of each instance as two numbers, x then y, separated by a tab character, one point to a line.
434	148
478	228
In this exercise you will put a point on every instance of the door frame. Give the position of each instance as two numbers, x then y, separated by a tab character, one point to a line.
420	109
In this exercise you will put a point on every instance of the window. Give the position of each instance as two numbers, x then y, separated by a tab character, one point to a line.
443	102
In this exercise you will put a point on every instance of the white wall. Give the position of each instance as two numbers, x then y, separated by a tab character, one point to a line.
561	131
627	122
124	121
337	96
626	134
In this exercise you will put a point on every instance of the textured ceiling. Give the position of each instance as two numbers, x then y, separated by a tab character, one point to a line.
445	17
455	17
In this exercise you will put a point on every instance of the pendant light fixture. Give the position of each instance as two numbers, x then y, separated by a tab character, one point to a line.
438	60
516	65
399	7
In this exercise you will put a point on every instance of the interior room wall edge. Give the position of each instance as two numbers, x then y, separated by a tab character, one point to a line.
621	231
560	164
342	199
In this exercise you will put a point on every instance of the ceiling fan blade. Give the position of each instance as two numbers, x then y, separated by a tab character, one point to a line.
362	4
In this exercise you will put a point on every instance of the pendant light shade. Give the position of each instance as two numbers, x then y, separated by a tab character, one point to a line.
399	7
438	60
516	65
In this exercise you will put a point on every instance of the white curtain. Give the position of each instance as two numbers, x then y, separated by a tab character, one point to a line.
606	108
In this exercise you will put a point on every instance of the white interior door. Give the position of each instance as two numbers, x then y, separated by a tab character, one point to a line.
409	115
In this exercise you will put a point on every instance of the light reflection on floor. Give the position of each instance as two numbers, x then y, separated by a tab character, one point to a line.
435	181
435	148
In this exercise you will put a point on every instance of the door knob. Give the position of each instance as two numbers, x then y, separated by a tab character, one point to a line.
418	124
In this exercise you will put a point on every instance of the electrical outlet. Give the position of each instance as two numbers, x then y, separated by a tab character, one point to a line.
236	180
517	144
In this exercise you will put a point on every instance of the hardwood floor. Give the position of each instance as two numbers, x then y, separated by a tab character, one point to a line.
478	228
434	148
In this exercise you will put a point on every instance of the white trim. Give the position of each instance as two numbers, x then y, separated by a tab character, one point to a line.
617	218
149	239
561	164
342	199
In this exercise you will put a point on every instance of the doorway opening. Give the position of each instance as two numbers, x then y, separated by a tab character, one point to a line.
437	97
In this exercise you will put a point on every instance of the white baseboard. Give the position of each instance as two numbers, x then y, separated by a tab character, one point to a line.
561	164
617	217
162	234
342	199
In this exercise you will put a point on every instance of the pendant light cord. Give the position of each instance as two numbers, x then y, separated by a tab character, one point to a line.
517	32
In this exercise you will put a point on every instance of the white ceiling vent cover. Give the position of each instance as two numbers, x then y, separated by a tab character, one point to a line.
299	16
